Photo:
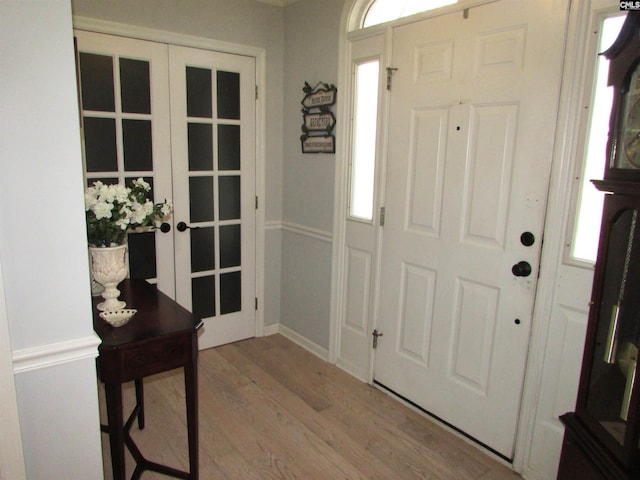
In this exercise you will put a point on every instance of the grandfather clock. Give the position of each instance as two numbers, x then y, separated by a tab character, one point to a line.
602	436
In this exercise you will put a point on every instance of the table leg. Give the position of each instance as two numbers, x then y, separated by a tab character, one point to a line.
191	397
140	403
113	396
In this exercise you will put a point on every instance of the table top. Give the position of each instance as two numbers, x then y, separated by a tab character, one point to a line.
157	315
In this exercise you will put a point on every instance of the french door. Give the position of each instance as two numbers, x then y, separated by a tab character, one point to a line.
473	108
184	120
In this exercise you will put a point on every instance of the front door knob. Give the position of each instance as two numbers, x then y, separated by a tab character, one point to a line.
521	269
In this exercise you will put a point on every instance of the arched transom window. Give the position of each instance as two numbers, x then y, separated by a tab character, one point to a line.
382	11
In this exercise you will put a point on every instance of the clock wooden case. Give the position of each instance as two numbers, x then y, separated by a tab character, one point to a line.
602	435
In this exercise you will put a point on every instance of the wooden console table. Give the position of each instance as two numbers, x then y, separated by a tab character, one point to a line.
161	336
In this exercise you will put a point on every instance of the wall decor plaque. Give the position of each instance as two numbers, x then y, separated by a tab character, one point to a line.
318	120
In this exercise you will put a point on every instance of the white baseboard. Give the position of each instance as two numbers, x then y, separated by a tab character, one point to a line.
44	356
298	339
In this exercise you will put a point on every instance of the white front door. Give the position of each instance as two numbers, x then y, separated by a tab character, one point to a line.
184	119
472	121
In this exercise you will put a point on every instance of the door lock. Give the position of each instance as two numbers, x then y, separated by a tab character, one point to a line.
521	269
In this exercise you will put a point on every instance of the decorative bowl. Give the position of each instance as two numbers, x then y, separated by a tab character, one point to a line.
117	318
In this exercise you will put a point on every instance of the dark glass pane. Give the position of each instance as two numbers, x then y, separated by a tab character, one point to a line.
100	144
200	140
134	86
228	94
142	255
229	147
202	249
201	199
229	246
199	92
96	78
230	292
229	200
136	140
203	296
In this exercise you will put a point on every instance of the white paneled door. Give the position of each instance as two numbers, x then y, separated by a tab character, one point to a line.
473	110
183	119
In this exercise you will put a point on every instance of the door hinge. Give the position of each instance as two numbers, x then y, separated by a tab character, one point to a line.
256	202
256	303
376	335
256	92
390	71
383	214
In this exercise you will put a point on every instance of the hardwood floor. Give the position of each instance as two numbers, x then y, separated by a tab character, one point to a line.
271	410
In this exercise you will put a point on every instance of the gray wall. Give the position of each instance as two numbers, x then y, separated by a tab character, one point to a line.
311	54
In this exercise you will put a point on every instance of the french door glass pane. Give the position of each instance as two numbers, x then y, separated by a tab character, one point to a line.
202	249
203	294
229	193
100	144
200	146
135	90
137	146
228	147
230	292
142	255
96	76
201	199
199	92
228	95
230	252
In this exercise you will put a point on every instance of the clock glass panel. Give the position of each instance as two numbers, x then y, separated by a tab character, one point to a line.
628	151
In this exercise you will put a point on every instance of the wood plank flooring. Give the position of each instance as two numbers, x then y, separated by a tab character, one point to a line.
271	410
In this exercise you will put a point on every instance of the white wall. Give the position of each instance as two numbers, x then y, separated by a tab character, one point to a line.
43	243
244	22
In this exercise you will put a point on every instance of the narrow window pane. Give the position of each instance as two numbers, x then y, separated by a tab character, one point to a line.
202	249
134	85
201	199
364	140
100	144
136	142
229	201
229	147
590	201
230	292
199	92
200	147
142	255
228	95
203	296
230	243
96	78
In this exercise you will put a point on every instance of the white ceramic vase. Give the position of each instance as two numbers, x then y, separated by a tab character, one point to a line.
109	268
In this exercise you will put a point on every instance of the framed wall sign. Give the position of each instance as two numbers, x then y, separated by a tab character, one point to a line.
318	119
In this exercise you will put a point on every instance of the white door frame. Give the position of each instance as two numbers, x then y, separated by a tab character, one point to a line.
161	36
561	181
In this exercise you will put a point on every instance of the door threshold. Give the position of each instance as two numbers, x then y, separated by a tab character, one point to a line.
474	441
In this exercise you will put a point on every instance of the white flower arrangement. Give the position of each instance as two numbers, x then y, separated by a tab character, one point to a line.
114	210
